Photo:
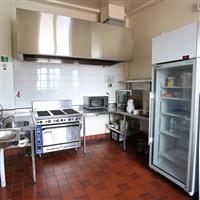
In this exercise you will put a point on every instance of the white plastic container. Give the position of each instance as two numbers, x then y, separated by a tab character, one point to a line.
130	106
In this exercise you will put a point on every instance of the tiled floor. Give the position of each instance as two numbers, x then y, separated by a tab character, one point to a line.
106	172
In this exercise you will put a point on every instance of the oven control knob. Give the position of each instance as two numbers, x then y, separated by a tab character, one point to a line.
61	120
49	121
41	122
69	119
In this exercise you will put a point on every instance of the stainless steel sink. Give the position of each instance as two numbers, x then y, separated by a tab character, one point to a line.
8	136
17	124
10	132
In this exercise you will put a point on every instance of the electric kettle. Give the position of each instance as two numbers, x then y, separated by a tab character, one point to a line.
130	106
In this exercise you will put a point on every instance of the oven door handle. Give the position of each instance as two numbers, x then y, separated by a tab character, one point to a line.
59	126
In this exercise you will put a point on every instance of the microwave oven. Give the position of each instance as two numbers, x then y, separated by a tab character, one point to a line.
95	102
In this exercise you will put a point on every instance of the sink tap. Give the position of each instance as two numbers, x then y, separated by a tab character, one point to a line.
2	119
1	110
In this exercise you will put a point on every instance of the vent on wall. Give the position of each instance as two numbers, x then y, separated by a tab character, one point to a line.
114	21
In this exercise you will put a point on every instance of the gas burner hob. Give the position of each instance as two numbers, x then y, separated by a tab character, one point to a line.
43	113
70	111
57	112
57	116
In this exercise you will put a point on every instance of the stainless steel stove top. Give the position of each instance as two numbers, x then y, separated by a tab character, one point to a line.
55	115
51	113
43	113
70	111
57	112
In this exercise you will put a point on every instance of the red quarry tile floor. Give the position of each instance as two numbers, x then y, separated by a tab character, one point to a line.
106	172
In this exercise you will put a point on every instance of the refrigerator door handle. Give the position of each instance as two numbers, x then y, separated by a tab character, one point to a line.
150	138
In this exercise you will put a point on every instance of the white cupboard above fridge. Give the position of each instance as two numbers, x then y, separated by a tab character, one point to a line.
6	85
176	44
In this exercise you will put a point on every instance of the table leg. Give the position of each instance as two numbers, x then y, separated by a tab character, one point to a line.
109	131
84	136
124	134
33	156
2	166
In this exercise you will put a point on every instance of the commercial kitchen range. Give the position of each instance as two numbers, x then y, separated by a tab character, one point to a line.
57	126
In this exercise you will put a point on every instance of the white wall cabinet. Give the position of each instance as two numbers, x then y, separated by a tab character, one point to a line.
6	85
175	44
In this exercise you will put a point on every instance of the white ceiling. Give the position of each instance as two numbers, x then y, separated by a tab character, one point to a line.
129	5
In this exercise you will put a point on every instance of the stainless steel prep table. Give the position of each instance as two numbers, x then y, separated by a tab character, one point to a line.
85	113
109	111
30	128
125	115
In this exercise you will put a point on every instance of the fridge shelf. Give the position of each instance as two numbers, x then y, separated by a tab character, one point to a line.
175	98
176	87
177	115
177	156
176	134
174	170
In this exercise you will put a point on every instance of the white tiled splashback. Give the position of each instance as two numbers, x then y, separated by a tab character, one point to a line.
42	81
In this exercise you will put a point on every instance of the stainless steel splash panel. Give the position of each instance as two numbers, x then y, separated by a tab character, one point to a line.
51	105
40	33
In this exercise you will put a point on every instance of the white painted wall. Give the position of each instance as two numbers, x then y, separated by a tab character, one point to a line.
95	125
6	85
152	21
42	81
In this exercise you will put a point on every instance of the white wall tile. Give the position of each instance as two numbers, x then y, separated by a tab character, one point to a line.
41	81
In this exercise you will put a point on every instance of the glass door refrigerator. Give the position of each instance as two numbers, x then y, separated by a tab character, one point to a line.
173	126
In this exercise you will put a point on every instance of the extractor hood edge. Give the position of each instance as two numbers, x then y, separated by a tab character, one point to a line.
99	39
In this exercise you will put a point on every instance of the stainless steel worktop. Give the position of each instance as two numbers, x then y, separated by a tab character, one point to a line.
112	110
87	112
136	116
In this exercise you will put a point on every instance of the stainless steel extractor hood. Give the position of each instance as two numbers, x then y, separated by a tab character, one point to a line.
54	38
